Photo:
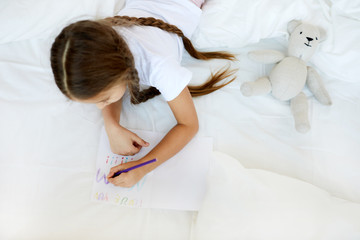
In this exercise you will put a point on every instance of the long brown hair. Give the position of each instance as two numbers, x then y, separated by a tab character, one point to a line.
88	57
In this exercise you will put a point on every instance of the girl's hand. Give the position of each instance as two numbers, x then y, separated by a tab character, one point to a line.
127	179
125	142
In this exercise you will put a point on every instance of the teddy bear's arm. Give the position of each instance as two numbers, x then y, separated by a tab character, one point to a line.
317	87
266	56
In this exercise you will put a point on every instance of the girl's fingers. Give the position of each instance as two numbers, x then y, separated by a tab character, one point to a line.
140	141
135	149
119	181
115	169
115	181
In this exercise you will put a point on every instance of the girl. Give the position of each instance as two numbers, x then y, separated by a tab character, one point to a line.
96	61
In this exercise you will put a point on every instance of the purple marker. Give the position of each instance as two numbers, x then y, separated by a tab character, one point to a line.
133	167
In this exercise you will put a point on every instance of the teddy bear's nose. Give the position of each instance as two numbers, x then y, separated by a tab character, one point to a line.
309	39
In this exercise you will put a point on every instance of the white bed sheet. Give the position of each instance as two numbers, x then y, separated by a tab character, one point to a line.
48	144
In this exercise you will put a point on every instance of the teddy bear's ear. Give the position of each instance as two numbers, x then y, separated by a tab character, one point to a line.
323	34
292	25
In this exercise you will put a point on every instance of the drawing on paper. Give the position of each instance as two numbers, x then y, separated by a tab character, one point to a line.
166	187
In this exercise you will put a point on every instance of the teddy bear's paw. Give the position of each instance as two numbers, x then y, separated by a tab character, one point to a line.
246	89
261	86
327	102
324	98
302	127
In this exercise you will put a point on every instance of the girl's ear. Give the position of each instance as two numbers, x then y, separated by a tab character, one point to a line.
292	25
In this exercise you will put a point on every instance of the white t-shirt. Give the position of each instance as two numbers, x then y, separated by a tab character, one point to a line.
157	53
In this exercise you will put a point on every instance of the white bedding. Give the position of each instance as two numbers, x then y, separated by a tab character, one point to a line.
268	181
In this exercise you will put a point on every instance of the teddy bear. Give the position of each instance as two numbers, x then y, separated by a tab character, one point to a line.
287	79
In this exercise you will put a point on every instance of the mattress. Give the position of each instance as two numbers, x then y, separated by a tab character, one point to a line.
267	180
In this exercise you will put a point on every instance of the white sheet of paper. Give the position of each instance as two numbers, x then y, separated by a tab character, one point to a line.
179	183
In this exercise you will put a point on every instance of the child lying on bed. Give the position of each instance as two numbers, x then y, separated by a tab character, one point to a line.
96	61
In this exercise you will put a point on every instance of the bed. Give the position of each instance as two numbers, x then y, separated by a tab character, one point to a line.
267	180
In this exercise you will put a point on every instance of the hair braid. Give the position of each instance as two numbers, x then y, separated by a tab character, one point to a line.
209	86
138	96
153	22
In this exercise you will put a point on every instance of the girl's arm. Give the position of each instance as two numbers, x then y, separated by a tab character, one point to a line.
187	126
122	141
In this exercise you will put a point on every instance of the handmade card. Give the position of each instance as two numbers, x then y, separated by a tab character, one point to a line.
179	183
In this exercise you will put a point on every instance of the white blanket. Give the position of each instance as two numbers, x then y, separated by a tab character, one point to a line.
49	144
256	204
